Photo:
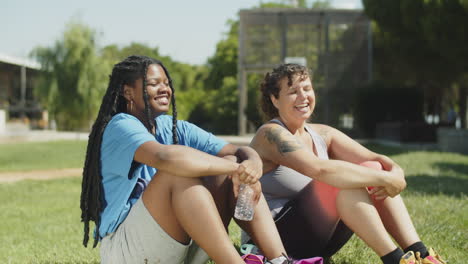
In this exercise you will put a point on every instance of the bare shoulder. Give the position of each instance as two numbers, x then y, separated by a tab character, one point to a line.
257	142
275	136
266	133
326	132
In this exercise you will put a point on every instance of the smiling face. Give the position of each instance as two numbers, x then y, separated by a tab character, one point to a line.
158	90
295	102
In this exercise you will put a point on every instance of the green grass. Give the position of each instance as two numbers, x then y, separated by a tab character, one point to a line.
40	223
436	197
42	155
40	219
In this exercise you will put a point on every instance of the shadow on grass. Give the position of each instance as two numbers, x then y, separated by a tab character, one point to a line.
390	150
386	150
459	168
447	185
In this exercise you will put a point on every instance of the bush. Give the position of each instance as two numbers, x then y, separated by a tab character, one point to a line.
380	102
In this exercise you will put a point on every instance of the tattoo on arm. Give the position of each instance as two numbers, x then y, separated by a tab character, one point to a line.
273	135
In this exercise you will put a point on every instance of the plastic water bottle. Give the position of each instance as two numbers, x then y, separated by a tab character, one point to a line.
245	205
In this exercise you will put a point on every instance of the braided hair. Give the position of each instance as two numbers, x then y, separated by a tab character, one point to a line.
271	85
113	102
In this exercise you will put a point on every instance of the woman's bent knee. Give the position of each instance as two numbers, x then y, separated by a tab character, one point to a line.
350	196
169	179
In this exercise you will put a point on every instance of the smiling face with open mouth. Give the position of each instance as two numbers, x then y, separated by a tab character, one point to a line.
158	90
296	101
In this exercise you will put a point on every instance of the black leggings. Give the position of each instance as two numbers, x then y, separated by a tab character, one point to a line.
307	228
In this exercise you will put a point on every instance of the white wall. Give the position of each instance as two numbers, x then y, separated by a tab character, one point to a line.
2	120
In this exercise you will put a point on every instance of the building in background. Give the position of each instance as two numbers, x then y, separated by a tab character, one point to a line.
18	79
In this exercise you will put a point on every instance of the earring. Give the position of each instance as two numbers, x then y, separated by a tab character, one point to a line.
131	106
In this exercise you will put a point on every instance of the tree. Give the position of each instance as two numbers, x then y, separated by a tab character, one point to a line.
321	4
74	79
187	79
222	77
423	42
220	110
224	62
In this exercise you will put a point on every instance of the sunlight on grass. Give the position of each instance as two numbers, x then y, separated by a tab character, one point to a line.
41	219
41	223
42	155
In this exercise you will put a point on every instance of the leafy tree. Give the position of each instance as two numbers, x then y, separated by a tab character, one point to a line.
321	4
222	77
218	111
74	79
76	76
187	79
423	42
224	62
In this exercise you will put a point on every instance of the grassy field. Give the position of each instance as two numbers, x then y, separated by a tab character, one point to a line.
40	219
42	155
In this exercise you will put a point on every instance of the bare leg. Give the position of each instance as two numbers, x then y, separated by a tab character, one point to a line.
359	214
220	188
395	216
263	231
309	225
185	209
262	228
397	221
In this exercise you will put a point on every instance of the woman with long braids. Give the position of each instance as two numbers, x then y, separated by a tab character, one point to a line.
315	180
144	181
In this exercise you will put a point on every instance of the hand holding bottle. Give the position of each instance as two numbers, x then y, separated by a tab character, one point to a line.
245	205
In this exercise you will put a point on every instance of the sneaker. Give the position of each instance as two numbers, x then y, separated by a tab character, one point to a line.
433	258
285	260
314	260
409	258
253	259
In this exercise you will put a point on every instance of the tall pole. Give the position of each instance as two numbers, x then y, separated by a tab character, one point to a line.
23	91
284	40
369	52
241	82
326	69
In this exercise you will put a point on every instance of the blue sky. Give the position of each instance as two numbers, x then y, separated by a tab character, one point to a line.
186	30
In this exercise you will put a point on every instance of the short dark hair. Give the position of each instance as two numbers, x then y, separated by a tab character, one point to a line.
270	86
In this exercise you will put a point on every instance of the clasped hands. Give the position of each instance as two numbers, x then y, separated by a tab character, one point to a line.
248	172
395	183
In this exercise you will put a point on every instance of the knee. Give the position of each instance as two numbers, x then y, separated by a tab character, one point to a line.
347	196
219	181
169	179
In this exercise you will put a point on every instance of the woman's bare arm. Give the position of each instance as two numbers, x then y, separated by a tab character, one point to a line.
276	144
182	160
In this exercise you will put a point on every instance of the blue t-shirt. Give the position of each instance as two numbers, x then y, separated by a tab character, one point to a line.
122	137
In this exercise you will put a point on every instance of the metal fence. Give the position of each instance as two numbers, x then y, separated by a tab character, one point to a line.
335	44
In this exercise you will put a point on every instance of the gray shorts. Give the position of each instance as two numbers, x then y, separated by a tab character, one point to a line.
140	239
